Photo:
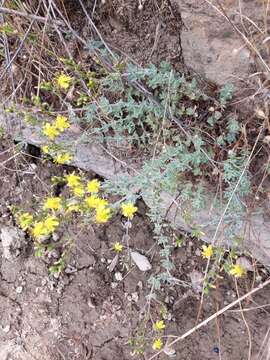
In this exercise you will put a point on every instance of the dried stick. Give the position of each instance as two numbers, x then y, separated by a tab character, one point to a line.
212	317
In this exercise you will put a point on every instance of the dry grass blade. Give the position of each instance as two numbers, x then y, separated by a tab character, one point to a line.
29	16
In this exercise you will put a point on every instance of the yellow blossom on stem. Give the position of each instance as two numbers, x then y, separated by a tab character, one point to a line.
25	220
63	81
93	186
53	203
50	224
39	230
73	180
237	270
128	210
63	158
94	202
118	247
45	149
157	344
61	123
207	251
159	325
78	190
50	131
103	214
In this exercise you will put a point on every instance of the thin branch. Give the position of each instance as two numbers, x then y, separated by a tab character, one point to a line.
212	317
30	16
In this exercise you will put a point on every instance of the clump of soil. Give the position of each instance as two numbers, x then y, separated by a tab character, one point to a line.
87	312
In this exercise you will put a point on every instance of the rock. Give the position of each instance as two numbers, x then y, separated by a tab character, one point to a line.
196	280
256	235
210	45
141	261
13	241
118	276
19	289
6	328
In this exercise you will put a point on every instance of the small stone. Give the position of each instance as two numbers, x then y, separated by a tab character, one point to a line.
118	276
198	252
55	237
90	304
12	241
32	166
6	329
114	285
19	289
70	269
169	351
103	260
196	280
141	261
135	297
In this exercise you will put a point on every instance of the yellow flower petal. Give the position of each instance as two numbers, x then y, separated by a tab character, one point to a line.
63	81
53	203
118	247
61	123
157	344
159	325
128	210
207	251
50	131
237	271
93	186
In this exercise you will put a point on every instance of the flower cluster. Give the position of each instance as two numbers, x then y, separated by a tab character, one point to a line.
158	326
51	131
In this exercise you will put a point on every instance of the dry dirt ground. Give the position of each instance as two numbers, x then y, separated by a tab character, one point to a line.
86	313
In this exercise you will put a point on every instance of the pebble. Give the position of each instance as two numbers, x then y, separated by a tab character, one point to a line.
141	261
114	285
135	297
6	328
19	289
118	276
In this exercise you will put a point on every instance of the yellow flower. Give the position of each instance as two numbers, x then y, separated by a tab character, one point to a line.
103	214
73	180
53	203
61	123
93	186
50	224
63	81
157	344
39	230
45	149
159	325
237	270
118	247
25	220
78	190
50	131
63	158
128	210
94	202
207	251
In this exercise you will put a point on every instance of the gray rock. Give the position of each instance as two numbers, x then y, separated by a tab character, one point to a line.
141	261
196	278
13	241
